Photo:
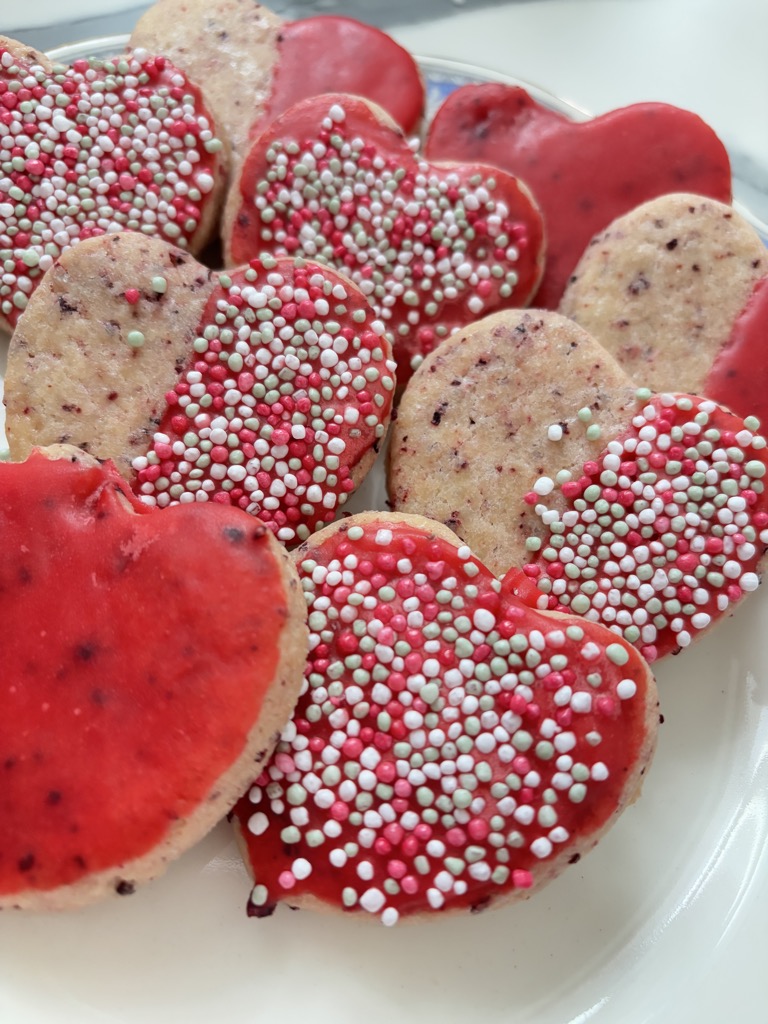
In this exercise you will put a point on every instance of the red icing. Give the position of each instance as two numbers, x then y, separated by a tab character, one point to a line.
583	175
294	401
664	532
737	378
177	157
335	54
433	247
129	682
397	710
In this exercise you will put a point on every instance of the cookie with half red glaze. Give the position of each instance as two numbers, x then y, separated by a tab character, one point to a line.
677	291
255	65
433	246
102	146
149	662
662	534
583	174
269	387
452	748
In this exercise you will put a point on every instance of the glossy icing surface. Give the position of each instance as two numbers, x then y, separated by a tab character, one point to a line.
138	650
335	54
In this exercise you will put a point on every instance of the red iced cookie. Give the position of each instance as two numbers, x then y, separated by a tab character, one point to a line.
452	748
663	533
583	174
103	146
148	661
433	246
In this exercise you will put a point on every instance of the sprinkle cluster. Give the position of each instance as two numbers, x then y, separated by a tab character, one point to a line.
432	249
101	146
664	531
447	740
289	386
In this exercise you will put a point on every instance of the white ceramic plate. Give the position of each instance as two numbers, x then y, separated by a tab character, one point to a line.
664	922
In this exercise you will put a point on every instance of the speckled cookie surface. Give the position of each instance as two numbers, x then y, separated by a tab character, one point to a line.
231	41
508	400
663	289
99	346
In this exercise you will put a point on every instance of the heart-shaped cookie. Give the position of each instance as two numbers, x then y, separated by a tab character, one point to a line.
451	748
432	246
269	387
583	174
646	514
148	661
677	291
255	65
663	533
102	146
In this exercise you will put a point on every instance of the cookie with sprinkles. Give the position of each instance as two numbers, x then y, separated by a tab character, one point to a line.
677	291
269	387
451	749
149	662
101	146
497	410
584	173
663	533
255	64
433	246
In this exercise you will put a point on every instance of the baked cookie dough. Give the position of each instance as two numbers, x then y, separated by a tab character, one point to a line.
254	65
